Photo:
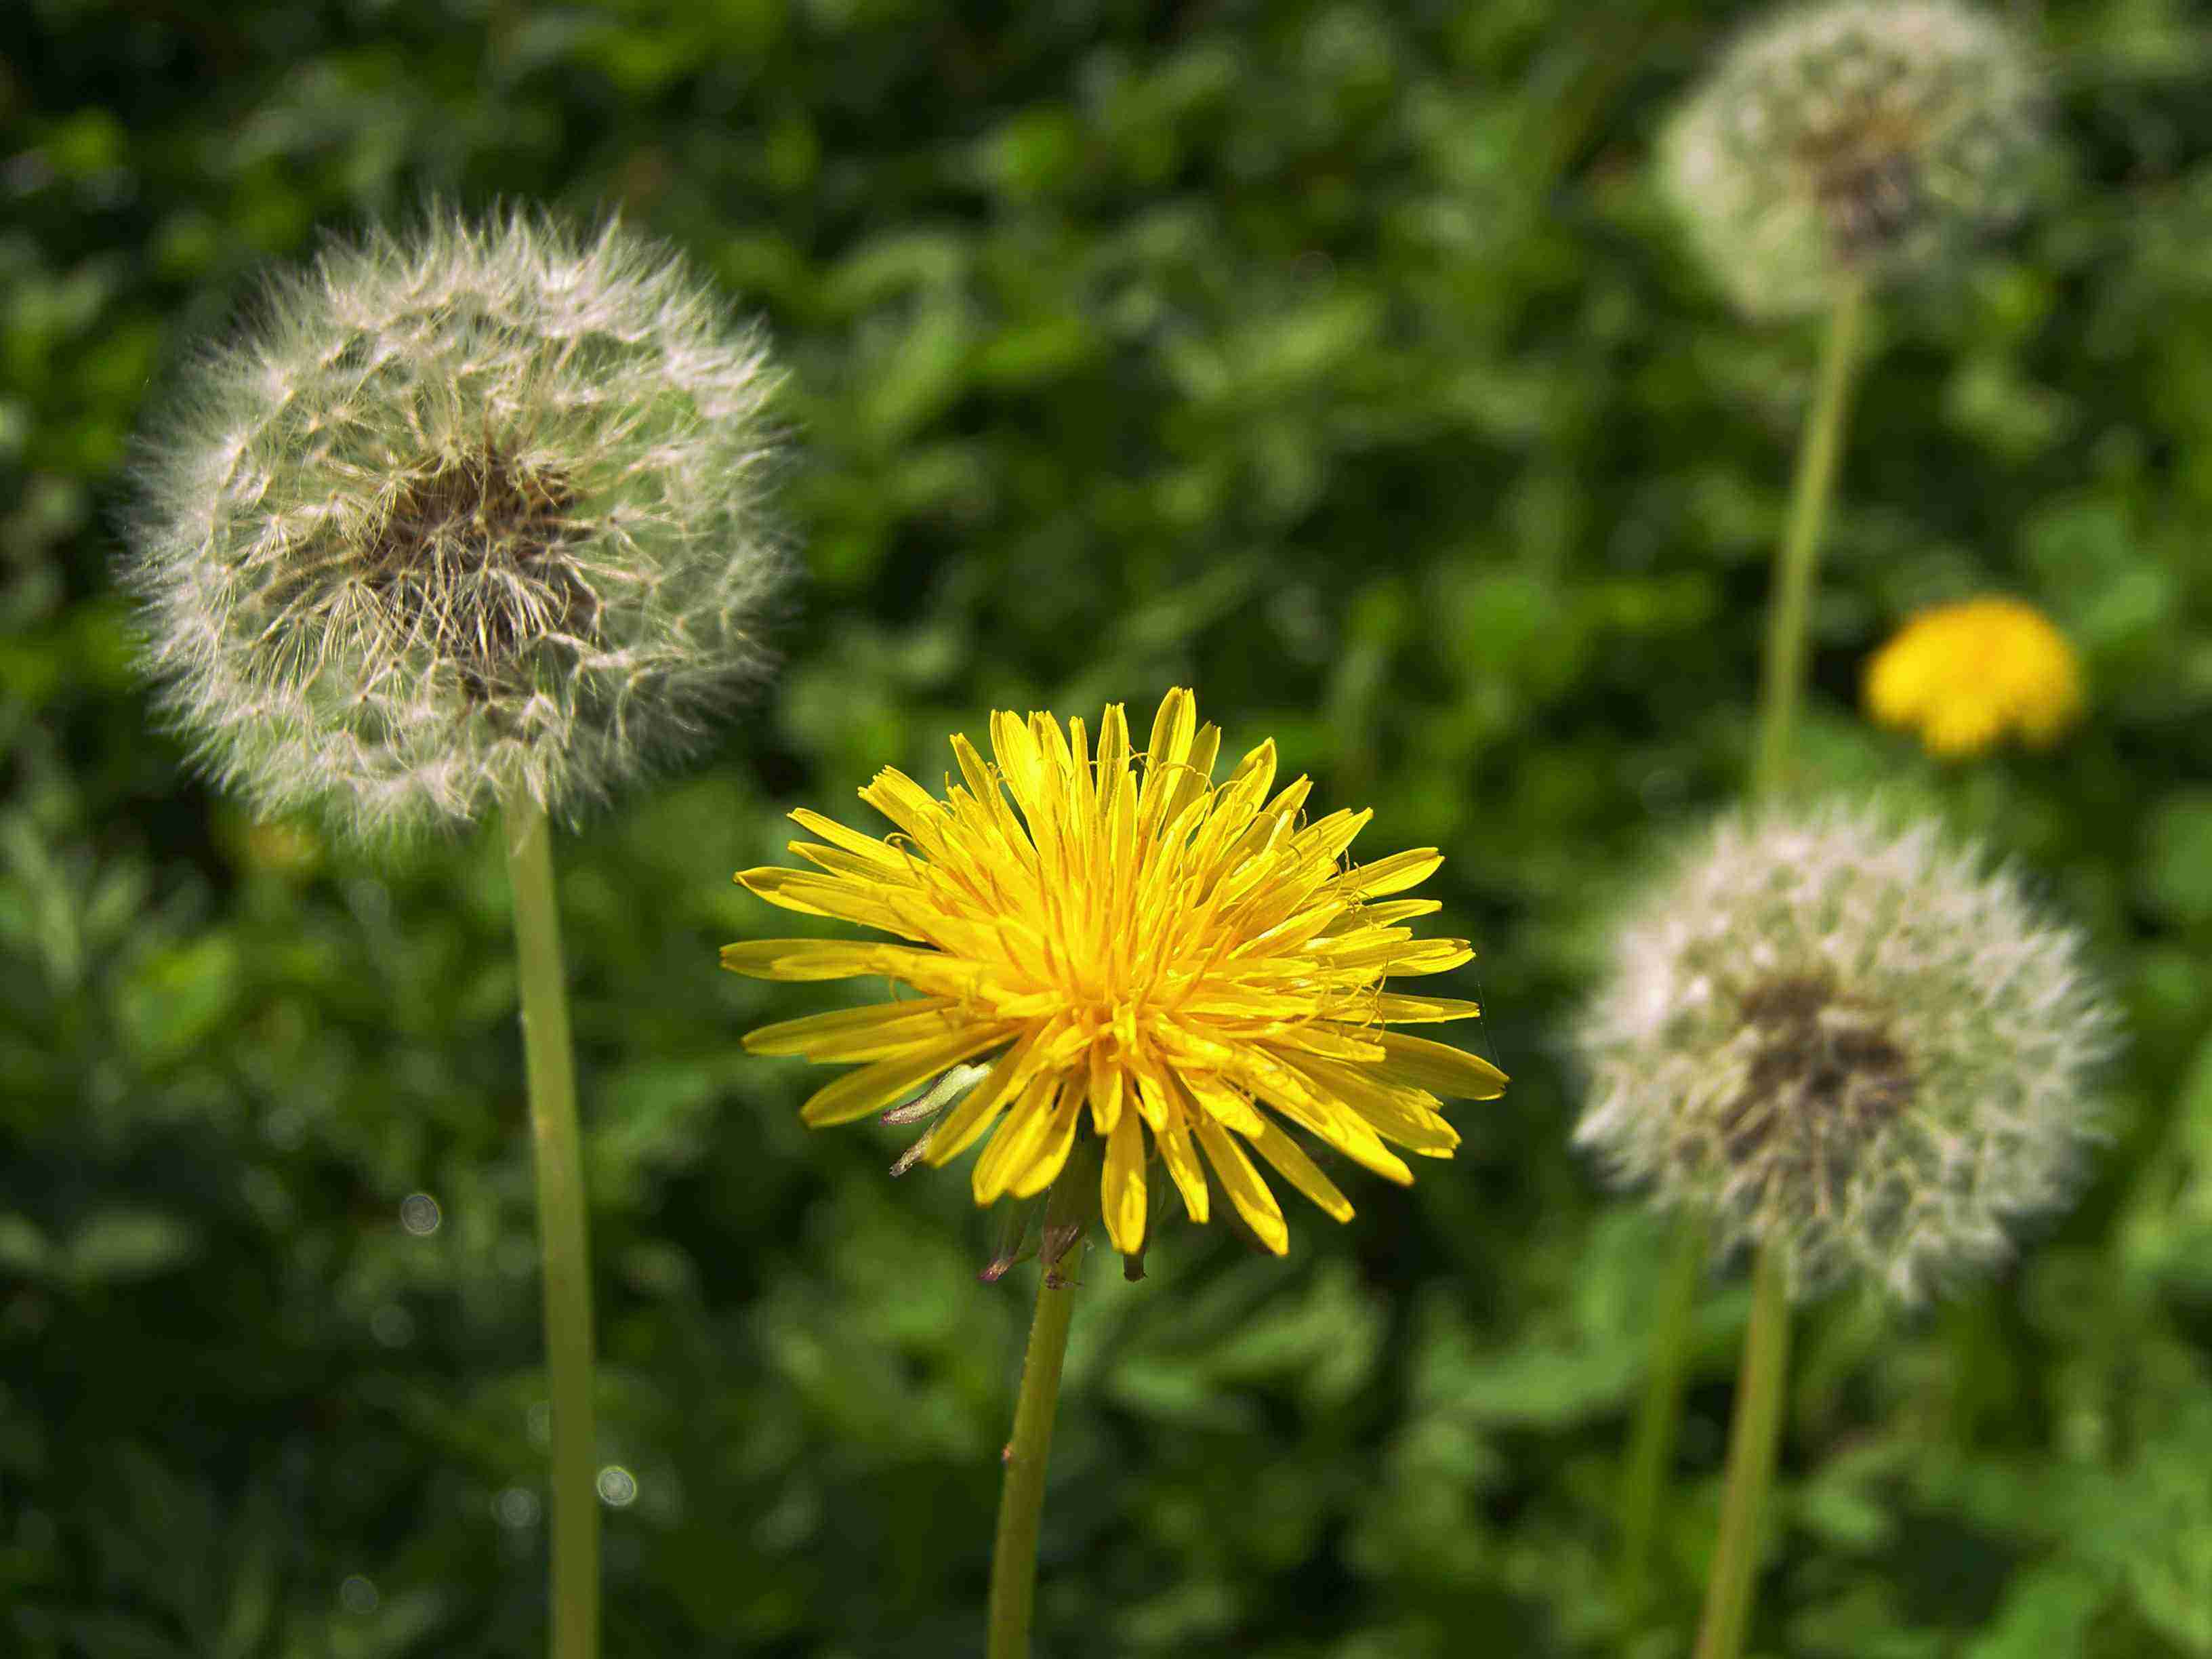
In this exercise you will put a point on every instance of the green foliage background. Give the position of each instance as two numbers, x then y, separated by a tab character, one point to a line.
1333	358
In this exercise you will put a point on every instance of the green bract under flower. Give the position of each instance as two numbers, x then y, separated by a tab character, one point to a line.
468	515
1846	1039
1855	139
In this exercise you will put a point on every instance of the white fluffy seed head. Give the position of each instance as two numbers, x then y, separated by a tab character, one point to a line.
1847	1038
1865	137
469	513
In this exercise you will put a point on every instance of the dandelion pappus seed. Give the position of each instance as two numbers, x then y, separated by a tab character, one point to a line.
1869	139
470	512
1846	1038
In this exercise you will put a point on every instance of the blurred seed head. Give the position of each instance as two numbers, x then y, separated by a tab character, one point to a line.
472	511
1868	137
1966	675
1848	1038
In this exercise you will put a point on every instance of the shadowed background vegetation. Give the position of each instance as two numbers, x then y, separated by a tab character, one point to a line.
1334	359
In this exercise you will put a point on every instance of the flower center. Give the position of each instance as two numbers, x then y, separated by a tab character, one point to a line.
1825	1079
1866	179
468	564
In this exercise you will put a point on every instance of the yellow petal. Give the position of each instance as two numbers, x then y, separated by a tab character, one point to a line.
825	958
1439	1068
1894	684
1428	956
1241	1183
1051	1157
1287	1155
851	866
1352	1111
1407	1117
1082	784
973	767
1015	1143
1325	838
1248	785
990	807
1105	1091
1015	748
1191	784
1394	874
1353	1044
910	806
852	840
1258	767
1224	1104
1121	1188
1164	760
873	1087
1113	745
1288	802
1390	912
871	1033
1052	745
1172	728
814	895
1180	1156
1303	1088
1367	951
1397	1010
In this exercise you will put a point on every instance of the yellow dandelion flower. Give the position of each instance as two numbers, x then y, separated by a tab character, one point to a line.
1115	930
1964	675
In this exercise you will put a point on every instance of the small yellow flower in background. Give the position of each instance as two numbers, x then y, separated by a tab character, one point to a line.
1966	675
1176	955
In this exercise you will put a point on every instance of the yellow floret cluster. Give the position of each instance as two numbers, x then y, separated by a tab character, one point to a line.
1966	675
1188	965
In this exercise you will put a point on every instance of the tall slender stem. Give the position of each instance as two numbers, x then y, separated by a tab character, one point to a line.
1652	1448
1021	1502
1790	609
1788	615
1751	1441
550	1068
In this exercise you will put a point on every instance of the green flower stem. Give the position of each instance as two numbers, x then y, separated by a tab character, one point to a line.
1751	1441
562	1232
1651	1448
1021	1502
1790	609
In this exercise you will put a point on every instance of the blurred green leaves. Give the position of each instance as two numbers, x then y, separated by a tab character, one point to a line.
1332	358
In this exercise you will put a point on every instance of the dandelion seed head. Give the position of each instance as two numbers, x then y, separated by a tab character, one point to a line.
470	513
1864	137
1847	1037
1108	936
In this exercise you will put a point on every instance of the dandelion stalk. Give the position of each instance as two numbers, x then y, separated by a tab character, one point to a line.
1812	1023
1789	612
1658	1420
1148	974
469	524
1752	1440
1834	148
562	1230
1021	1502
1658	1415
